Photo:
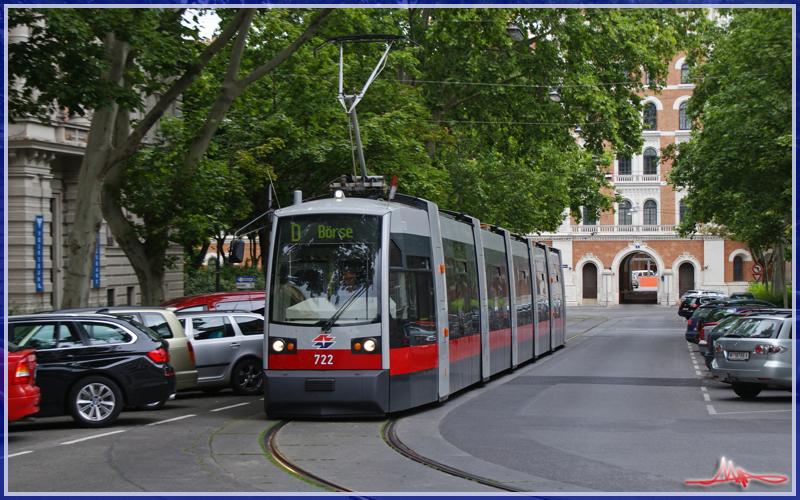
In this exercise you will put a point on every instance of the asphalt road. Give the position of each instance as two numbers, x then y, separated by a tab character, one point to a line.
627	406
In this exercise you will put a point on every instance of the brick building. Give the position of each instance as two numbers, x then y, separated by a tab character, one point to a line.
601	255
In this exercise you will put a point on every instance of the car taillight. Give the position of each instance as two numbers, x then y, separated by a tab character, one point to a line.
159	356
25	371
769	349
718	348
191	351
693	305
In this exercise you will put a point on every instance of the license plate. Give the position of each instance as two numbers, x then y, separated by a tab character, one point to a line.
739	356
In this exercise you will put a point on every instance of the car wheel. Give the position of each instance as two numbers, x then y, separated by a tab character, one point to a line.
247	378
746	391
95	402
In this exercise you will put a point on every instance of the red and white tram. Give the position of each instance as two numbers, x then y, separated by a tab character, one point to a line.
377	306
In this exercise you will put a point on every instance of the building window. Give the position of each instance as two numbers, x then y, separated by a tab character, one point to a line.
624	166
589	218
685	73
737	269
650	162
110	297
650	122
625	218
682	214
647	78
650	213
683	122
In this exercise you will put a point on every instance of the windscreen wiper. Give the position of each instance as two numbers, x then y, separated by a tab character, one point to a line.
326	326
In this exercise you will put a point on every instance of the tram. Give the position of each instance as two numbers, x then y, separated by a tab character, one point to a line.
375	306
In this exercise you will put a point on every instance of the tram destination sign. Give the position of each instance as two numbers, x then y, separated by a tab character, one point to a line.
333	229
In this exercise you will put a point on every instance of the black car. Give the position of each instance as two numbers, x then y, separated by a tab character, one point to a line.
690	303
91	365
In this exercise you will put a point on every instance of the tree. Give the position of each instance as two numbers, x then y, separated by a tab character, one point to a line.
737	167
115	59
488	98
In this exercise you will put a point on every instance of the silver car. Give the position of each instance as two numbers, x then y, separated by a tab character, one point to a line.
228	349
755	354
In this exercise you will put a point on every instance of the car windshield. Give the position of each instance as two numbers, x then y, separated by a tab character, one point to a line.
702	312
322	262
755	328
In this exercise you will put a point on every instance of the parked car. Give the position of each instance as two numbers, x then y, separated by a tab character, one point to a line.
754	355
730	322
690	304
23	395
722	310
228	349
742	295
701	315
91	365
714	293
162	321
250	301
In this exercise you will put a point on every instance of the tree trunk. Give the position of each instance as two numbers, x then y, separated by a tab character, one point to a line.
147	262
82	238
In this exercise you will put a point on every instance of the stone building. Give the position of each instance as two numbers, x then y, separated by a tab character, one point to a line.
601	255
42	166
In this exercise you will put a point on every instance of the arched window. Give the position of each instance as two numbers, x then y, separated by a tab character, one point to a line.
650	213
650	122
625	218
683	209
683	122
589	218
685	74
737	269
624	166
650	162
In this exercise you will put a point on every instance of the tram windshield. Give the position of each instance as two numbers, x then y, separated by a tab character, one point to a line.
322	262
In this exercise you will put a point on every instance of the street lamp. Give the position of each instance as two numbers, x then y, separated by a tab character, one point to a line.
578	131
554	95
515	33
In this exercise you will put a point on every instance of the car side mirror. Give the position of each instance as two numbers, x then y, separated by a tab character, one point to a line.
236	254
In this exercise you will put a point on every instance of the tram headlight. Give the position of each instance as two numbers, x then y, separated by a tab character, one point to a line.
365	345
282	345
278	345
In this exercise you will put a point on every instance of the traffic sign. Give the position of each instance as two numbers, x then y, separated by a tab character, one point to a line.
757	271
245	282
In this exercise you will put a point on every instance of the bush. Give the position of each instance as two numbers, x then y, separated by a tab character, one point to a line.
205	280
761	292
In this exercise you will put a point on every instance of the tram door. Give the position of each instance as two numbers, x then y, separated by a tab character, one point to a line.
463	306
543	312
499	301
557	297
523	303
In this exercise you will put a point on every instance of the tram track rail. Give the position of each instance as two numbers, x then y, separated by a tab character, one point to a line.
272	448
390	436
391	439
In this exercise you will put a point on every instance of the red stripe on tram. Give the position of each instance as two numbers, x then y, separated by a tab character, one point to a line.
413	359
464	347
499	338
324	359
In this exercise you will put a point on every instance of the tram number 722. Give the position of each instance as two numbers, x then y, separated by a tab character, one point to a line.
323	359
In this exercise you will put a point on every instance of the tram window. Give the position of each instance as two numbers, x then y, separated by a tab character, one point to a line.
413	322
395	257
416	262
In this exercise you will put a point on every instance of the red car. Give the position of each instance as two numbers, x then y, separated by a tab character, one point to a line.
250	301
23	395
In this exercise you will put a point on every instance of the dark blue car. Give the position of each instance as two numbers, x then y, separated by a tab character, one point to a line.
694	325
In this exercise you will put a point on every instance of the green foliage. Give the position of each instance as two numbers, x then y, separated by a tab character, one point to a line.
737	167
762	292
205	279
62	63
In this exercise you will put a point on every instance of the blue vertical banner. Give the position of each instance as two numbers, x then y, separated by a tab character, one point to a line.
96	270
38	253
